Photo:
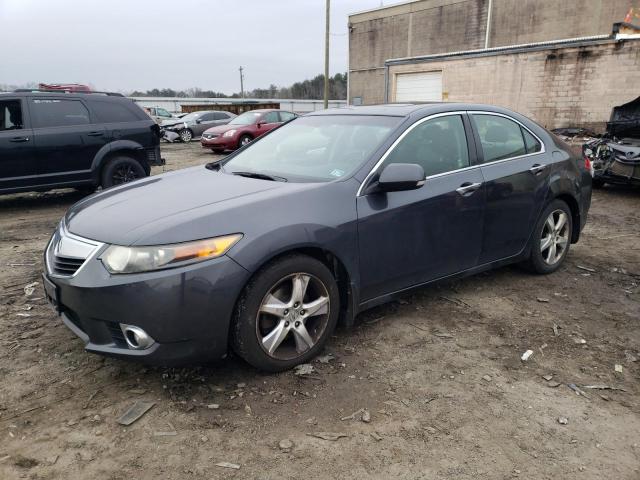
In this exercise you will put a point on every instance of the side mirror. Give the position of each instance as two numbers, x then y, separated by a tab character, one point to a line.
198	121
259	124
398	177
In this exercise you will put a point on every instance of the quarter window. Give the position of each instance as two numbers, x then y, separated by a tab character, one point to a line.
10	115
110	112
58	113
438	145
286	116
500	137
531	142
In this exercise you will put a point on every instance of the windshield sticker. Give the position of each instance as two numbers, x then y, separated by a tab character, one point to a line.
337	173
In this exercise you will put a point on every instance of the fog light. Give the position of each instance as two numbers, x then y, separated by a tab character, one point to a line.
136	338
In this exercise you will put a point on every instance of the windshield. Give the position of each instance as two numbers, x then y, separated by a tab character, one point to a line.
246	118
191	116
316	148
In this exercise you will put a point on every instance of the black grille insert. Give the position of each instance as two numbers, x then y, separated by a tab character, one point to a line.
66	265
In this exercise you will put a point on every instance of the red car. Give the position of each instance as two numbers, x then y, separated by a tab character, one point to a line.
244	128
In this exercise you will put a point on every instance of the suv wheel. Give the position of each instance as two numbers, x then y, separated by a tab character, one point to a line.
120	170
185	135
286	313
552	238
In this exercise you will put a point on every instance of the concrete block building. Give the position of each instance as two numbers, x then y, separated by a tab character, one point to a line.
560	62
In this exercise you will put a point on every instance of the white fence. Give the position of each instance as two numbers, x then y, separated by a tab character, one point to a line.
173	104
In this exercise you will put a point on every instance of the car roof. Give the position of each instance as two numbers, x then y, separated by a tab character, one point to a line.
408	109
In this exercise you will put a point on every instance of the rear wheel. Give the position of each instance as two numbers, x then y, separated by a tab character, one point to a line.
552	238
286	313
120	170
186	135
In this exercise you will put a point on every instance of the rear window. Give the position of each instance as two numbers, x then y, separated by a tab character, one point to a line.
58	112
112	112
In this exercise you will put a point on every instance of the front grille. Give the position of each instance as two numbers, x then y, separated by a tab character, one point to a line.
210	135
66	265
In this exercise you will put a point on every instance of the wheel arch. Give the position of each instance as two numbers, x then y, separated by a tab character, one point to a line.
113	149
338	268
572	203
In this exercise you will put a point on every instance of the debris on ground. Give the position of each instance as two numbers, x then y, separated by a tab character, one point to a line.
443	335
30	288
331	436
603	387
213	406
556	329
543	299
577	389
304	369
547	377
366	416
618	368
376	436
563	420
234	466
285	444
325	358
588	269
486	378
525	356
135	412
357	413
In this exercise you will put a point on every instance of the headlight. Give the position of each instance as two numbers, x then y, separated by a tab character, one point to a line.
229	133
117	259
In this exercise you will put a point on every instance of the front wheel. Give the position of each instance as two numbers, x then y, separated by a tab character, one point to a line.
244	140
286	313
552	238
185	135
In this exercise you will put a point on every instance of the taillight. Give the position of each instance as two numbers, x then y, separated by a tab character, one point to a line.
588	165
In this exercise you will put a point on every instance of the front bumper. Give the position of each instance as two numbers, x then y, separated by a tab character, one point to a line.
186	310
219	143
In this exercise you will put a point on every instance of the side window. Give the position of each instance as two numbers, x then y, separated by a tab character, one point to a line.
220	116
10	115
271	117
207	117
500	137
286	116
111	112
438	145
531	143
163	113
58	113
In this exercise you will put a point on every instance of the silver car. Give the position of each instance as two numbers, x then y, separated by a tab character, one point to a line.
194	124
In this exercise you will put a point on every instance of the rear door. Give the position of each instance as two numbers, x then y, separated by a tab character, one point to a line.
516	170
412	237
66	139
17	156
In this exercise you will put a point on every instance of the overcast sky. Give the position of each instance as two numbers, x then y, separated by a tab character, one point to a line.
142	44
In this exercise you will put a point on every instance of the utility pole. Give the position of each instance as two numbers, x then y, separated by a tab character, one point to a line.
241	83
326	58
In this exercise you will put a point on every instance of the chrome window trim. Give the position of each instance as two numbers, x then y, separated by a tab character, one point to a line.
444	114
63	232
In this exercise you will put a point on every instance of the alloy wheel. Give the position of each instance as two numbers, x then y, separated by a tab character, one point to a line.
245	141
185	135
124	174
293	316
555	237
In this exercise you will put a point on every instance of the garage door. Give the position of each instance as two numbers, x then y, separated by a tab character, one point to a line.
419	87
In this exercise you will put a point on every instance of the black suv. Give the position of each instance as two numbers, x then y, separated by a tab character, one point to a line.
82	140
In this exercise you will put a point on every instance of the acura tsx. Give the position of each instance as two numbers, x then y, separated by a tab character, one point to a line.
265	251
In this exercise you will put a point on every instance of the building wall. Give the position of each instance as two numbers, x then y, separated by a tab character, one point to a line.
556	87
426	27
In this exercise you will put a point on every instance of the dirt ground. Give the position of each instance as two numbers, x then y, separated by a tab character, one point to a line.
439	373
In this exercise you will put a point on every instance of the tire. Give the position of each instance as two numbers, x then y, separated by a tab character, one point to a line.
597	183
121	169
244	140
541	260
186	135
287	335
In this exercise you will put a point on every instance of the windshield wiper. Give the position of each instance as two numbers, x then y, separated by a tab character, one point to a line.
261	176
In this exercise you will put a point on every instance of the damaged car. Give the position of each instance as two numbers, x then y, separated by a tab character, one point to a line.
615	158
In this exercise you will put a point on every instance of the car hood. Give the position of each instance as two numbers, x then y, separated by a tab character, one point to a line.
171	123
224	128
174	207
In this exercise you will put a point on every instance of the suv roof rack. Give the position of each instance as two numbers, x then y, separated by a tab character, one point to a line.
44	90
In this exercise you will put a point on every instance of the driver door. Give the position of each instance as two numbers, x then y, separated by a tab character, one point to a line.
411	237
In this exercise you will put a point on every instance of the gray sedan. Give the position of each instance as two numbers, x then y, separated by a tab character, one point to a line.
265	251
194	124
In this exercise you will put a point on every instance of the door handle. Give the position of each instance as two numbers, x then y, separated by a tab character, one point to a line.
95	134
468	188
537	169
19	139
